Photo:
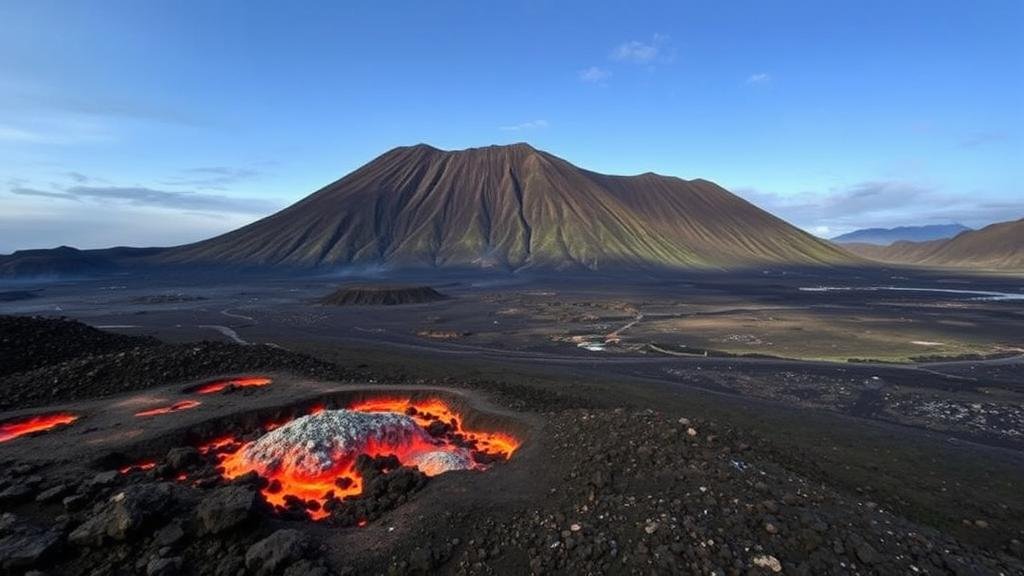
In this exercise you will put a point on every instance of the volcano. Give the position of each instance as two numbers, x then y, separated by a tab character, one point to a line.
512	207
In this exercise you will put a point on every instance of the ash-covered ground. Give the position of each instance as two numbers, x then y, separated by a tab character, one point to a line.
613	477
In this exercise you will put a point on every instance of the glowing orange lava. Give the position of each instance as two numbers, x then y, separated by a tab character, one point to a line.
424	412
231	383
176	407
138	467
12	430
342	479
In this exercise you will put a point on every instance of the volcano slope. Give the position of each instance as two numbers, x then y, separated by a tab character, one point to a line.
511	207
600	485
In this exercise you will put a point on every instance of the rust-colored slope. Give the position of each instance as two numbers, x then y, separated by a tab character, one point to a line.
514	207
998	246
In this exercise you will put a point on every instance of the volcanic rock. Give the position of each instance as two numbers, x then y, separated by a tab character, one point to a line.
128	515
381	295
275	552
52	494
180	458
226	508
16	494
164	566
27	548
169	535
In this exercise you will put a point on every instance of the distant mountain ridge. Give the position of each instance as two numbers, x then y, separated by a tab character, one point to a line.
65	261
997	246
887	236
512	207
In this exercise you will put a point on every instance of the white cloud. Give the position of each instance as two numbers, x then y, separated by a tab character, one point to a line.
759	78
882	203
635	51
594	74
531	125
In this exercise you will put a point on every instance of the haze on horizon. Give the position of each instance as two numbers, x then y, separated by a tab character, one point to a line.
162	123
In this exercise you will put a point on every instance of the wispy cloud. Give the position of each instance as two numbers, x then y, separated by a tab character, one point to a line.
759	78
54	131
212	176
22	136
594	74
883	203
646	52
150	197
40	100
531	125
141	196
78	177
634	51
21	191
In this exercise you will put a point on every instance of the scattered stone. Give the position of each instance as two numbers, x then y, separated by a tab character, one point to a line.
164	566
16	494
104	479
768	562
51	494
275	552
181	458
29	548
226	508
169	535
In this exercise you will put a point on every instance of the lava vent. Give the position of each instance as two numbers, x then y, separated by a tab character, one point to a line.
317	444
314	461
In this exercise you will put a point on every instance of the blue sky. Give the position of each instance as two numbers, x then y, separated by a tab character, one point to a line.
161	122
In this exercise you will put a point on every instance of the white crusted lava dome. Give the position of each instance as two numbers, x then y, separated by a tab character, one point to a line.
312	444
439	462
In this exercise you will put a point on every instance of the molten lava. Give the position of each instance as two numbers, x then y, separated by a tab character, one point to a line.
176	407
12	430
231	384
426	412
312	458
137	467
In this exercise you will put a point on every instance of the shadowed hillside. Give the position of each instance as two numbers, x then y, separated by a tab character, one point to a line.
512	207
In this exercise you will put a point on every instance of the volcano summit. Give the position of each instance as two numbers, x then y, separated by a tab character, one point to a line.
511	207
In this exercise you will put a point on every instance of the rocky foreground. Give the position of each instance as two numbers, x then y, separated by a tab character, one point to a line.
611	490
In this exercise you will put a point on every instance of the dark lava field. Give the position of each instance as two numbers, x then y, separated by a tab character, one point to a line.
134	448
